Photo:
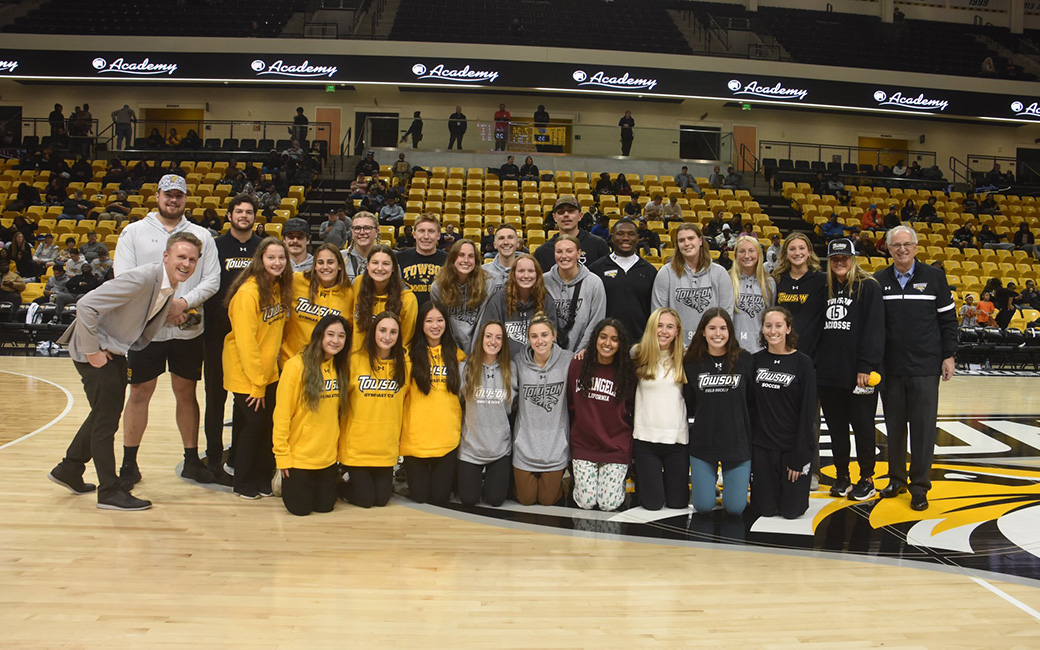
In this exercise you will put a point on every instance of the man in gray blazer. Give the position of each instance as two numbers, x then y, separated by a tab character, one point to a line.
122	314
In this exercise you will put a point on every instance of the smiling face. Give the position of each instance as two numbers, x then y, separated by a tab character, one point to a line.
466	261
171	204
566	255
506	242
717	334
333	340
775	331
607	344
180	261
427	235
297	243
364	230
903	250
242	218
491	344
433	326
625	239
387	331
541	338
567	217
840	266
327	267
747	256
689	244
525	274
380	267
667	330
798	254
274	260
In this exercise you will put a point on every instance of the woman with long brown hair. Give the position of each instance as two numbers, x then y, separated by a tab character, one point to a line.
514	304
381	288
462	287
323	290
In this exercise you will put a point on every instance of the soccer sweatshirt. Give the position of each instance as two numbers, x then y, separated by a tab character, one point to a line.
306	439
540	441
717	404
463	319
692	294
516	324
376	413
601	429
785	414
749	304
304	313
486	434
660	411
409	311
805	298
853	338
432	422
591	305
251	349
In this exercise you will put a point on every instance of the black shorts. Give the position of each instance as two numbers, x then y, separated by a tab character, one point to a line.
184	357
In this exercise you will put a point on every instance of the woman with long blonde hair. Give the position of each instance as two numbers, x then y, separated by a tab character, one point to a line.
462	286
753	291
801	288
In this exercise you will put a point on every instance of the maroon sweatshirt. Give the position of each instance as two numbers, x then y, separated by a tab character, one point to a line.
601	424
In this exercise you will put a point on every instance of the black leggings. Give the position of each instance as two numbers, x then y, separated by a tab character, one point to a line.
490	481
254	459
662	474
310	490
772	492
842	408
430	479
370	486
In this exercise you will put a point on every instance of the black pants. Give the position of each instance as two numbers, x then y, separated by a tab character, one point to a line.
662	474
455	139
310	490
106	391
254	458
626	144
430	479
911	403
370	486
1004	317
772	492
216	396
489	481
841	409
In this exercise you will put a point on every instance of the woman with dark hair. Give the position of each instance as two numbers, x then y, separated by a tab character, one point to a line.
211	221
489	395
621	186
381	288
523	295
379	373
529	170
432	411
784	420
155	140
310	418
603	185
601	390
257	303
321	291
691	283
21	255
718	375
909	212
462	287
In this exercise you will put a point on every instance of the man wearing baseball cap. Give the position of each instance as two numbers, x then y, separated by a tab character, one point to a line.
179	345
567	214
296	233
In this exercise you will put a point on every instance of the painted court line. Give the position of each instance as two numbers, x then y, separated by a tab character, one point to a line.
68	407
1009	598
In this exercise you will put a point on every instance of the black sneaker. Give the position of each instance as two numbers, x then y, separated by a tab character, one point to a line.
266	491
70	480
197	472
251	495
129	476
841	487
863	490
122	500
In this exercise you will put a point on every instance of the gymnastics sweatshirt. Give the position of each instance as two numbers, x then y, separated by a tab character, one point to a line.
516	324
717	405
692	294
486	434
806	299
376	413
305	313
432	422
785	415
853	338
306	439
601	427
251	349
463	319
660	412
749	305
409	312
540	442
590	308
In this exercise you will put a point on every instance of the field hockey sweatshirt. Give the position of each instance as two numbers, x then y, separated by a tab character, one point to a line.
748	307
853	338
806	299
376	414
432	422
305	313
601	429
785	414
692	294
306	439
540	441
660	412
717	405
409	311
463	319
516	323
486	434
590	308
251	349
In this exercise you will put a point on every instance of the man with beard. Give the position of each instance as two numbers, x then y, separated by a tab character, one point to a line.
419	265
235	250
627	279
365	233
567	215
296	233
179	345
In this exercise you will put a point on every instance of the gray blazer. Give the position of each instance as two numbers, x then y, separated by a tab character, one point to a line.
114	316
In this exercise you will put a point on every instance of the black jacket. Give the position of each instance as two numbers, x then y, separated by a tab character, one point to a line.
920	321
853	339
628	294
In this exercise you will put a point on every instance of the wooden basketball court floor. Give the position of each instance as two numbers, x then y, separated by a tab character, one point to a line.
206	569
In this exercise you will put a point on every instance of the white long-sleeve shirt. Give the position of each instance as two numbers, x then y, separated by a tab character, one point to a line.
144	241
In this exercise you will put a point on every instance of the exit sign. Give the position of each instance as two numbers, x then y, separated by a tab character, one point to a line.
330	88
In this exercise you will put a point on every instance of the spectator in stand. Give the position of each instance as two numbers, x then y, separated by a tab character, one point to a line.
402	172
985	310
359	187
456	127
419	265
21	255
529	170
685	180
124	120
819	185
55	194
715	179
487	243
880	170
725	240
989	205
155	139
733	180
864	245
173	140
294	151
714	227
507	243
81	171
969	312
971	204
892	217
115	173
1030	297
928	213
367	166
76	207
502	118
992	240
655	208
672	211
414	130
296	233
602	227
191	140
914	170
92	248
627	125
391	214
603	185
833	229
1004	300
872	220
11	286
899	169
649	241
298	131
335	229
46	254
211	221
567	214
632	208
101	267
621	186
1026	241
449	236
837	188
509	171
909	212
57	120
964	237
26	226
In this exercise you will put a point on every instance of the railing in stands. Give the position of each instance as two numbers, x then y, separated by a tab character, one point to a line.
320	30
978	167
719	32
339	164
960	171
744	156
814	151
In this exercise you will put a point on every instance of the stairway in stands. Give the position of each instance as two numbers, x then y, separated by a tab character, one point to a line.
327	195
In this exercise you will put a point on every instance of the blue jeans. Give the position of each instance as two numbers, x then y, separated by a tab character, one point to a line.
735	480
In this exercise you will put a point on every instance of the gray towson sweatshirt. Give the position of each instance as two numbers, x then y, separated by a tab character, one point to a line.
463	320
486	435
541	438
749	304
692	294
516	324
591	305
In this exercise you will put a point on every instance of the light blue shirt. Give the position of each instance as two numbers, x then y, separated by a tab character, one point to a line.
903	278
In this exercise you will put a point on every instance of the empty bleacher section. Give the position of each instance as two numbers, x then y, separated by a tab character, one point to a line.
159	18
590	24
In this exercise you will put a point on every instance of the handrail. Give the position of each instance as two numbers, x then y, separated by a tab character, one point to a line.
742	158
719	31
846	150
955	166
